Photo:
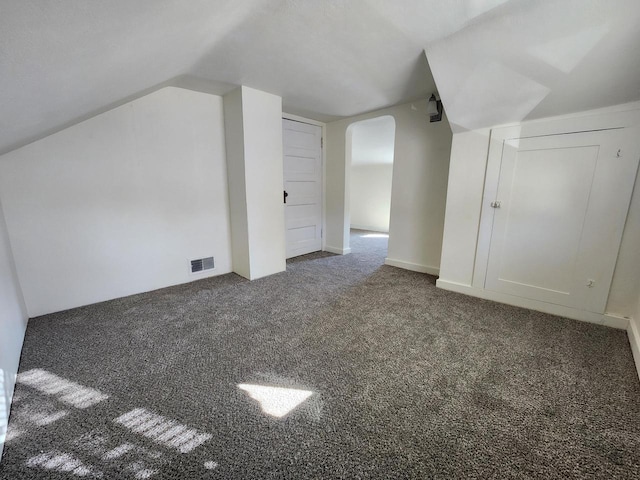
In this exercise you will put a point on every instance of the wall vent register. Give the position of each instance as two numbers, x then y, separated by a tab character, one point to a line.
202	264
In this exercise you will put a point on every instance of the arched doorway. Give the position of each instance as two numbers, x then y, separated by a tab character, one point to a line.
370	154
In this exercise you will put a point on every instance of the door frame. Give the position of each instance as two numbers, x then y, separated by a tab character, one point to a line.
323	126
609	119
620	116
605	192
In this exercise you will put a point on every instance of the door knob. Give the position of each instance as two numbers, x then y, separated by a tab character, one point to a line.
495	204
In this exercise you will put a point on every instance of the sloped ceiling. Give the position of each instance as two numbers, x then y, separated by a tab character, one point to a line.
526	59
62	61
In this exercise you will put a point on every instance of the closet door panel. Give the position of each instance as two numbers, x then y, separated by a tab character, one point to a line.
557	227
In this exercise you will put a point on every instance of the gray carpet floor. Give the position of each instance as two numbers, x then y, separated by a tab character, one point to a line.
402	380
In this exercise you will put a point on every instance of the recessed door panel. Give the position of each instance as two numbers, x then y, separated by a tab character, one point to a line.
300	165
559	215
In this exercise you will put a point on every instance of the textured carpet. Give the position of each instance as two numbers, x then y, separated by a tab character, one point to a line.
378	374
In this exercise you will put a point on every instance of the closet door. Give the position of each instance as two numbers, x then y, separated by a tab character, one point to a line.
560	210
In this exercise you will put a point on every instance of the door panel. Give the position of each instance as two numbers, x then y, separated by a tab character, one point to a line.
563	203
303	183
299	165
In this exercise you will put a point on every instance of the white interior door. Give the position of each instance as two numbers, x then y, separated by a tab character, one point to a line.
563	202
303	187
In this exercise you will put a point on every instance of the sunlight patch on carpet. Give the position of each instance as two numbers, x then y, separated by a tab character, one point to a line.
62	462
162	430
375	235
66	391
276	401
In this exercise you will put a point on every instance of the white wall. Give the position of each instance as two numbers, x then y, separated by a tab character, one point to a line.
120	203
336	198
420	171
234	140
372	144
13	322
625	287
626	280
265	181
633	332
254	142
371	196
464	201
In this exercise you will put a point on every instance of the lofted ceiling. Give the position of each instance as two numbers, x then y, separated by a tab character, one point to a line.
526	59
62	61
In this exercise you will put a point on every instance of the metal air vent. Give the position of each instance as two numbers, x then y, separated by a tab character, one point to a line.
201	264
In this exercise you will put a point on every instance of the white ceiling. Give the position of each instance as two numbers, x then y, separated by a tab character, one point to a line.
373	141
534	59
62	61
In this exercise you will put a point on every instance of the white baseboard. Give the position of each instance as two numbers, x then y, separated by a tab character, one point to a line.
339	251
560	310
634	341
414	267
614	321
369	228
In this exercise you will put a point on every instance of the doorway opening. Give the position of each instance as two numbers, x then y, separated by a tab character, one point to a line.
370	156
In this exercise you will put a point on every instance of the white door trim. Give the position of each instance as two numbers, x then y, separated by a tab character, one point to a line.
621	116
596	204
323	126
296	118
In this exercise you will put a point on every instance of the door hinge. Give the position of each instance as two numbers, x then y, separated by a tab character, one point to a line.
321	142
